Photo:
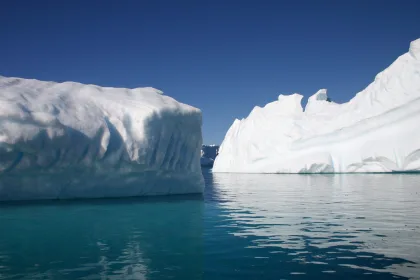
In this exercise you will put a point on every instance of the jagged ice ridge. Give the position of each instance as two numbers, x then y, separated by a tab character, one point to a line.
376	131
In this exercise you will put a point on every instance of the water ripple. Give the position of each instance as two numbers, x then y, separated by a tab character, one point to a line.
246	226
357	223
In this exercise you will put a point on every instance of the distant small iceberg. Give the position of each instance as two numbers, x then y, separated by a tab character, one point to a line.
208	155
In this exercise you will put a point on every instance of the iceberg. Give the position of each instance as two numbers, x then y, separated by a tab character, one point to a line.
208	155
206	162
376	131
70	140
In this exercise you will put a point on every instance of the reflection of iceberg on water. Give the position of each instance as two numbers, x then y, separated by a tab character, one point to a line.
340	217
113	238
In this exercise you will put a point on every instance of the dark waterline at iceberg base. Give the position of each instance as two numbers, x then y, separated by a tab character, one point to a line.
245	226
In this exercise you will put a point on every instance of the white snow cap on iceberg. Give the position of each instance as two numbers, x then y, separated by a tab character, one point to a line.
415	49
376	131
67	140
320	95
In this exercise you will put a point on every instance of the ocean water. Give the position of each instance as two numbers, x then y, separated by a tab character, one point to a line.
245	226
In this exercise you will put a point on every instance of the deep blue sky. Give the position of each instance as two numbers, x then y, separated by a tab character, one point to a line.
224	57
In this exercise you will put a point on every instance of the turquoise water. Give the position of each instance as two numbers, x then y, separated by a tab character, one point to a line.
244	227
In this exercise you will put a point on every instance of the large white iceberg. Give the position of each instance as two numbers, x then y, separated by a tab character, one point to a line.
70	140
376	131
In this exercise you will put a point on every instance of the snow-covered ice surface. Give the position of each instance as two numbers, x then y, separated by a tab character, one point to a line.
70	140
376	131
208	154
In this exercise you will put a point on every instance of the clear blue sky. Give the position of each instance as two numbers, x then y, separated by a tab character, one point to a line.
224	57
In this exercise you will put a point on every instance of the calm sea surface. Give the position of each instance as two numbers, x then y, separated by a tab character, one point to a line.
244	227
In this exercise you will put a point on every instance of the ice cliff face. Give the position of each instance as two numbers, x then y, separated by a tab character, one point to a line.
209	154
376	131
69	140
